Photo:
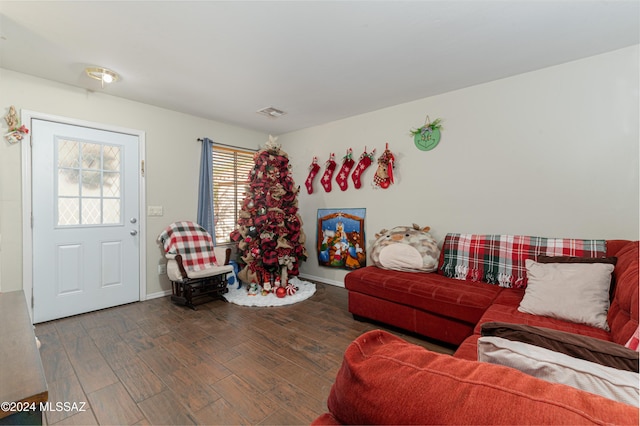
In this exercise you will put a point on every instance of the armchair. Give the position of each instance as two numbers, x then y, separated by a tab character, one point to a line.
194	266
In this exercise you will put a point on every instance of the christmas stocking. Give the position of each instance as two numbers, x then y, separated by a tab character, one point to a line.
384	175
313	171
330	167
343	174
364	162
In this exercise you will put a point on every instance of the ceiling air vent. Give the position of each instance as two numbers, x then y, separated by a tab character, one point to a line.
271	112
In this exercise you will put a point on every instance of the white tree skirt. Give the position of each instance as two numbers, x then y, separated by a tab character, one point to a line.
240	296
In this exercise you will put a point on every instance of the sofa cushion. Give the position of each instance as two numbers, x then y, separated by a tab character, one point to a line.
386	380
623	312
464	301
468	349
406	317
577	346
556	367
576	292
510	314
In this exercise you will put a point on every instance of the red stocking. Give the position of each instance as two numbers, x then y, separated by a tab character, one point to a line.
364	162
384	175
330	167
313	171
343	174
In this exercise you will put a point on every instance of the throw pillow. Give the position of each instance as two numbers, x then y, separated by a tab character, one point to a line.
584	347
406	248
575	292
574	259
619	385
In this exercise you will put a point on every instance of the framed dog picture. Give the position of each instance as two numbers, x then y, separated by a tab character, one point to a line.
340	239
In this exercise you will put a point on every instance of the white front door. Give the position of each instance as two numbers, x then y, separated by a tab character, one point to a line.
85	219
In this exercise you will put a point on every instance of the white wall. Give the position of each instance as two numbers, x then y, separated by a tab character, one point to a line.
549	153
172	160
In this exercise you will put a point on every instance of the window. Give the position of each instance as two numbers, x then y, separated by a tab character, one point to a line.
231	168
87	183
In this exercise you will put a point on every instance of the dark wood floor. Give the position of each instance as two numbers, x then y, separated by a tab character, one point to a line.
156	363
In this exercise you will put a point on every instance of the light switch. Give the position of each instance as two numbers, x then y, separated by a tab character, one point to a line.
154	211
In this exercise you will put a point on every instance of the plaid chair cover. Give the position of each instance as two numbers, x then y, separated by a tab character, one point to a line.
192	242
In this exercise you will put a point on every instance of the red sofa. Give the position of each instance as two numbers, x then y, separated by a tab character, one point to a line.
386	380
453	311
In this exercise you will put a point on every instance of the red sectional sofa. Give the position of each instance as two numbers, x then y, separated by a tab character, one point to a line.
386	380
452	311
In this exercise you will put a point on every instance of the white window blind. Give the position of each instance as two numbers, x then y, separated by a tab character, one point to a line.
231	168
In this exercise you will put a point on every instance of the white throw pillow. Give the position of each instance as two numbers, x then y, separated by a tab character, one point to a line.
575	292
555	367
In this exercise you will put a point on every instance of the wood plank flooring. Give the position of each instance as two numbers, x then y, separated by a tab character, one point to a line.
154	362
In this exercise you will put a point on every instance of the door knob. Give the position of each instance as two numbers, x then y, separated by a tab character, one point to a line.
133	220
133	232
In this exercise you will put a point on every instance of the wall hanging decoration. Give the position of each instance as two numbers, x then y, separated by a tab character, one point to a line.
427	137
16	131
345	169
384	175
340	238
330	167
313	171
364	162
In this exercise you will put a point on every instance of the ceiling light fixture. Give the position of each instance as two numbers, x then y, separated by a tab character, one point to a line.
103	74
271	112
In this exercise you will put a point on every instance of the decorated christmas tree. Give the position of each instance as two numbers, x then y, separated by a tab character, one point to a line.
269	236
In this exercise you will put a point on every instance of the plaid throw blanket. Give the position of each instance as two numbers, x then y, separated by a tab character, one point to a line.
191	241
499	259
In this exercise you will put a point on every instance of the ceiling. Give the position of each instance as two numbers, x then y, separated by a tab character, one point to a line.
319	61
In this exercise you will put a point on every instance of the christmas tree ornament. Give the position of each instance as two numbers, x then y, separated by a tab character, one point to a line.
384	175
364	162
253	289
329	168
291	289
281	292
313	171
343	175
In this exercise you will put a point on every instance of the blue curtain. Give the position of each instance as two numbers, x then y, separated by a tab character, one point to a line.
205	192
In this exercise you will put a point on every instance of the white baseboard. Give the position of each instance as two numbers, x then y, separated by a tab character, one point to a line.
323	280
158	294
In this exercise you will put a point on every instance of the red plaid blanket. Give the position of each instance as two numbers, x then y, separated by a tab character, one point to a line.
499	259
192	242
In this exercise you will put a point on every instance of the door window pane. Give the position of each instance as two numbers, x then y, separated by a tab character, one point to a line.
68	183
68	211
91	155
88	183
111	184
91	183
91	214
111	210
